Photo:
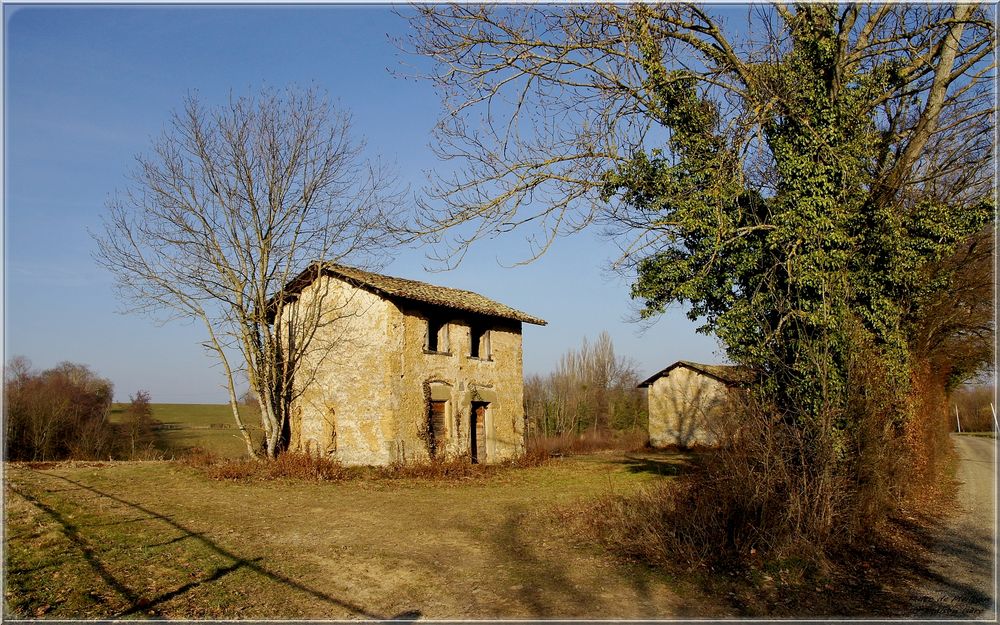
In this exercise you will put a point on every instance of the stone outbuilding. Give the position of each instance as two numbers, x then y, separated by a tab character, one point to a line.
403	371
687	401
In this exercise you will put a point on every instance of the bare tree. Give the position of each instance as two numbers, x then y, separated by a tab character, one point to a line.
57	413
591	387
228	206
543	102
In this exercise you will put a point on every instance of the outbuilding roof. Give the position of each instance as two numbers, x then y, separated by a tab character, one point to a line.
732	375
412	290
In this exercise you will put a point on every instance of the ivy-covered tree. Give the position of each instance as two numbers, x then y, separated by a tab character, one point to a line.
835	245
784	177
805	180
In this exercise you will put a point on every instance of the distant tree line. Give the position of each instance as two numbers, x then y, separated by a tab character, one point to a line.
591	389
62	413
975	404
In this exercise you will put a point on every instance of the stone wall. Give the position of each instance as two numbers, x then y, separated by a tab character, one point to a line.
341	405
365	391
686	408
460	380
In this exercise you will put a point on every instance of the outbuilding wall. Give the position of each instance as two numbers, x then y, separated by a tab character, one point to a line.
686	408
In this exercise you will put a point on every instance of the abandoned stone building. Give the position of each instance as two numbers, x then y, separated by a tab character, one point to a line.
402	371
688	400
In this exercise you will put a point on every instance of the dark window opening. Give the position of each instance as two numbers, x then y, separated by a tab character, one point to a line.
437	335
480	343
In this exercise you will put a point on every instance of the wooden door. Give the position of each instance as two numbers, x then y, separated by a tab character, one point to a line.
437	433
477	431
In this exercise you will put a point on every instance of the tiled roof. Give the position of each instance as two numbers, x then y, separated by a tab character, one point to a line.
732	375
414	290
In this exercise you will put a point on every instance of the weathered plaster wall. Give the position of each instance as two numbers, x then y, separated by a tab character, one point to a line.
341	410
685	408
366	386
460	379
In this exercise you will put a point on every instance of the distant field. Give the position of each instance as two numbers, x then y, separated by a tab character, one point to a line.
161	540
182	427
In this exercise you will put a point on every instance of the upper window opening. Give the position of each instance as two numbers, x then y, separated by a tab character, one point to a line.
437	335
480	343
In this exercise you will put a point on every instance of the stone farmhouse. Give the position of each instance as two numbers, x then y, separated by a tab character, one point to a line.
687	401
403	371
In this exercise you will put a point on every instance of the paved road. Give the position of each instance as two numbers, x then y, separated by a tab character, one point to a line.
961	579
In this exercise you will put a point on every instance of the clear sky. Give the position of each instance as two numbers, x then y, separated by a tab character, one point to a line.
87	88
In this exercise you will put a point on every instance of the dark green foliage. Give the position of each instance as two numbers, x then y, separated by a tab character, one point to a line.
784	275
826	280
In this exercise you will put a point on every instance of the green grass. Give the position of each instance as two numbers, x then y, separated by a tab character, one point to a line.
183	427
161	540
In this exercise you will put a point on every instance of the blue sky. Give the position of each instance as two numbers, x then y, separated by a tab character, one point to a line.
86	89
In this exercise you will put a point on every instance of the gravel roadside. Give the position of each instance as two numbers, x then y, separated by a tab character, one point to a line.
961	581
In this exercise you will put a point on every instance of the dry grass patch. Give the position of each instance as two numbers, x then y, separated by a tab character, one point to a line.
164	540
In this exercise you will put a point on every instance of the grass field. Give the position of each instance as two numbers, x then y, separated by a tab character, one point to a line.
161	540
182	427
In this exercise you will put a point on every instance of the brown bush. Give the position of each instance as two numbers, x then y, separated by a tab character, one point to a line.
926	436
57	414
974	408
293	466
298	466
569	443
200	458
435	469
776	489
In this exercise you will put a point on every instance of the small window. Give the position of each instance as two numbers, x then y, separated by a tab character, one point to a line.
437	336
480	343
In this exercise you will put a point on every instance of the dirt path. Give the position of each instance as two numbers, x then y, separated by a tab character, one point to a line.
961	579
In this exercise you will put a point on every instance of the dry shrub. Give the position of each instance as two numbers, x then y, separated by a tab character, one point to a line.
927	430
200	458
974	408
435	469
569	443
776	489
148	453
299	466
457	468
640	526
293	466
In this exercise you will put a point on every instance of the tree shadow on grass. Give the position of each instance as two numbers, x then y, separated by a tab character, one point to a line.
539	577
547	588
137	603
667	466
